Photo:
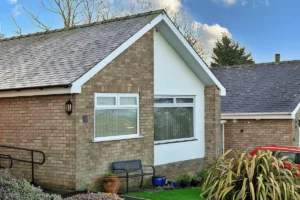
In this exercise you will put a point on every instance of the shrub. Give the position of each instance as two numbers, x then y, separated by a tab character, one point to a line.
202	174
183	180
12	188
109	174
262	176
95	196
19	189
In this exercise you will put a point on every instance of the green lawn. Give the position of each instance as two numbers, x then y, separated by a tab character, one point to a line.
190	194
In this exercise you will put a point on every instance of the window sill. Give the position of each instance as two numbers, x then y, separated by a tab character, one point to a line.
175	141
116	138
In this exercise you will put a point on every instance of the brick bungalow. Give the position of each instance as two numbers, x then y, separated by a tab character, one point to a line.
261	105
138	91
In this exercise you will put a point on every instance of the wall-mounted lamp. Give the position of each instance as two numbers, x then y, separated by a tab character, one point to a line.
69	107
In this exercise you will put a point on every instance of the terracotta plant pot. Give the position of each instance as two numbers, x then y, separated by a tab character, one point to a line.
111	184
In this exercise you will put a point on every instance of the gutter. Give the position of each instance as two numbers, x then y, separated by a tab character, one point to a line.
37	88
258	116
36	91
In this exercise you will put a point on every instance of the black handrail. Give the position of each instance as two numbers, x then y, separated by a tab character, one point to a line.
32	151
8	157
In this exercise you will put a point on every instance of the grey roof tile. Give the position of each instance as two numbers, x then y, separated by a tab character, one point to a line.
62	56
260	88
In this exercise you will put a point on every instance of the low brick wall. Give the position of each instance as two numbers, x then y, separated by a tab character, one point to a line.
172	170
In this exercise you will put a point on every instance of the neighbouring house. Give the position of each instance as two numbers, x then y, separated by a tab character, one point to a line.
138	91
261	105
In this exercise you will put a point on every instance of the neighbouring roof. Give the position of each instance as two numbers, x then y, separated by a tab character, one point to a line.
59	57
260	88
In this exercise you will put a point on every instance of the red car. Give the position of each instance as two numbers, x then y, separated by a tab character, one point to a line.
292	152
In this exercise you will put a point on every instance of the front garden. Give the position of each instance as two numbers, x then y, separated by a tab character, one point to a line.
12	188
263	176
180	194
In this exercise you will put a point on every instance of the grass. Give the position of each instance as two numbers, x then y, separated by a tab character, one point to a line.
190	194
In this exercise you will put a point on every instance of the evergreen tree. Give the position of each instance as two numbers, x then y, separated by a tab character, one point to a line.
228	52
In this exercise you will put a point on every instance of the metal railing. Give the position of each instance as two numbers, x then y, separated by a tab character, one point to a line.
31	161
7	157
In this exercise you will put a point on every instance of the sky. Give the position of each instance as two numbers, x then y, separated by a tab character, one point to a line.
264	27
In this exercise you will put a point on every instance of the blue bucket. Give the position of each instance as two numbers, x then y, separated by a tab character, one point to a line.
173	184
159	180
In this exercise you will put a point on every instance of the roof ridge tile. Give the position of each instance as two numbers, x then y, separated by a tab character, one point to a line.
161	11
263	64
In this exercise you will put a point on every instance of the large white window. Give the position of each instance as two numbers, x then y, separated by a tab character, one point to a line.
116	116
173	118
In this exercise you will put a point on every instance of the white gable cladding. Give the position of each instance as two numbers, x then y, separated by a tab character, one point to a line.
172	76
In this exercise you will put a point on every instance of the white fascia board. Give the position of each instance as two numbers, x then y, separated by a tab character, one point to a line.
34	92
295	111
76	86
195	55
257	116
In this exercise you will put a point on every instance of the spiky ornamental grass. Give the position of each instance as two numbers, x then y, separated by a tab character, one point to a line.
243	177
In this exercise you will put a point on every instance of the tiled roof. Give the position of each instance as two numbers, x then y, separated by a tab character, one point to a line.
260	88
59	57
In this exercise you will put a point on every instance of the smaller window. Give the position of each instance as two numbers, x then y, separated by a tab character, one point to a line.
128	101
106	101
184	100
164	100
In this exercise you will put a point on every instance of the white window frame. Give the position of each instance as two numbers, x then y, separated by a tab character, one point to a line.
119	107
176	105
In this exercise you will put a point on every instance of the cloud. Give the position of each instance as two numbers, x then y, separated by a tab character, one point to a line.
209	36
174	5
226	2
12	1
16	10
242	2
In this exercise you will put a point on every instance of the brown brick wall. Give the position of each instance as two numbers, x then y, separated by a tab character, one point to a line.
212	124
41	123
247	134
131	72
171	170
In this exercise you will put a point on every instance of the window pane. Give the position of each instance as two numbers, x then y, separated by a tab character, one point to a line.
163	100
106	101
115	122
184	100
128	101
173	123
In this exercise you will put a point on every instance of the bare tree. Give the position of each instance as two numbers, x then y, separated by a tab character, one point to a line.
99	10
19	30
74	12
34	17
181	19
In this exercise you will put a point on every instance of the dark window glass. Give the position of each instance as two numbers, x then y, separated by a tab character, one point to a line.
163	100
173	123
184	100
291	155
